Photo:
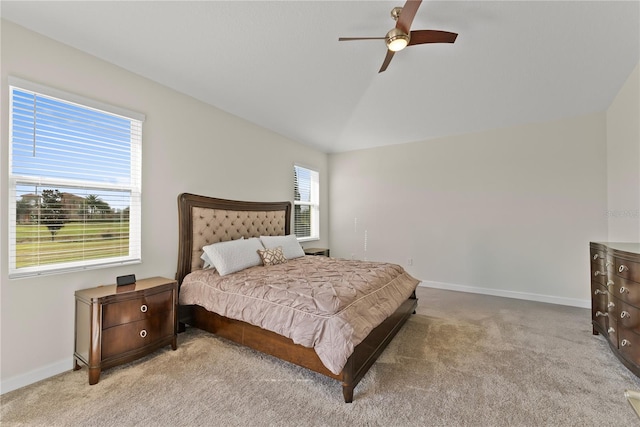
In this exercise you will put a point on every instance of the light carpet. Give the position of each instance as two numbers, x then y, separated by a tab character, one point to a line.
462	360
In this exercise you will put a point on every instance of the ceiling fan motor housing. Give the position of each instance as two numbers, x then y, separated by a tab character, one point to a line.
397	39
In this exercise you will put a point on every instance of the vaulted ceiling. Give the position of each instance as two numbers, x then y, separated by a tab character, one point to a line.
279	64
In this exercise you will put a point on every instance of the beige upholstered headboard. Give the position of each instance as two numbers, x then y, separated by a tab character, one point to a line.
206	220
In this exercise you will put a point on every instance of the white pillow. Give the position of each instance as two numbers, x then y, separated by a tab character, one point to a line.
235	255
207	262
290	246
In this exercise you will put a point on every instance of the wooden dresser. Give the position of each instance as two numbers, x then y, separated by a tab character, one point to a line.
615	298
118	324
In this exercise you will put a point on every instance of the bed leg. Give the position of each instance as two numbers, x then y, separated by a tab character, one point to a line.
347	392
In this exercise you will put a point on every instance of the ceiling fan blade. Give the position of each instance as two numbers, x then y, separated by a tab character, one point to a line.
431	36
406	16
348	39
387	60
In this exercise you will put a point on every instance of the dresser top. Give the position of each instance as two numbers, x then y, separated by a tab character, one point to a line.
632	247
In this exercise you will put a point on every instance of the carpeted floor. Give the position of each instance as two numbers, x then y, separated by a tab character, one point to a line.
462	360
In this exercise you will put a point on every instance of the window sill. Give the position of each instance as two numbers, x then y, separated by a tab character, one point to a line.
308	239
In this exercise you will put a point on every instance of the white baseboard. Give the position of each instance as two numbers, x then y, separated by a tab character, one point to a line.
34	376
65	365
573	302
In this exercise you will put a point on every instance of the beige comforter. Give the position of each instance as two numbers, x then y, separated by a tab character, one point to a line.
327	304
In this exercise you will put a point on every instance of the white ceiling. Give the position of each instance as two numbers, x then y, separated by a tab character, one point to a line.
280	65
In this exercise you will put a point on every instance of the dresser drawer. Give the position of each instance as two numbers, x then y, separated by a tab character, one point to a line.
627	316
627	269
599	299
132	310
626	290
134	335
596	255
599	272
629	345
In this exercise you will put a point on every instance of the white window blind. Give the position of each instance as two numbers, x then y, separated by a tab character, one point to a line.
74	182
306	216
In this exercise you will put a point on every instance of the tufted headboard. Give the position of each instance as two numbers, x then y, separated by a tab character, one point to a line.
206	220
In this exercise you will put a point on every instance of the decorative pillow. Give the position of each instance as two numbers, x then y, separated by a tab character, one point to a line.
235	255
290	246
272	256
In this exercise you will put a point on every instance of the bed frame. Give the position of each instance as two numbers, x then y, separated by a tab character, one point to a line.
206	220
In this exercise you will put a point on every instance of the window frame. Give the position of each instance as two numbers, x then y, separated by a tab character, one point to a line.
314	204
135	185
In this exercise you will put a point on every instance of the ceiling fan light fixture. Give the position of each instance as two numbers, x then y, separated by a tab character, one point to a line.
396	40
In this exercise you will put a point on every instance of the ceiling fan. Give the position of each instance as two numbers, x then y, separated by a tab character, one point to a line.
401	36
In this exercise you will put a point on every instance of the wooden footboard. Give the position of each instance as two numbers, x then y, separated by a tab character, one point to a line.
363	357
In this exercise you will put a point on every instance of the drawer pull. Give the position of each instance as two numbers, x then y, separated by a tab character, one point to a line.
144	308
143	333
601	314
595	257
611	305
599	292
623	290
610	282
600	273
625	343
611	330
622	268
625	315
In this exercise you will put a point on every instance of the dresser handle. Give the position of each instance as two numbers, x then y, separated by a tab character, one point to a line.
625	343
595	257
610	282
622	268
611	305
144	308
601	314
611	330
599	292
600	273
624	315
143	333
623	290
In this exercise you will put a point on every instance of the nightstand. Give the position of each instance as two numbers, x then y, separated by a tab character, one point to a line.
317	251
118	324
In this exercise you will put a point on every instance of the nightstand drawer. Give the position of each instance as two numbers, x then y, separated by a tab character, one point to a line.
135	335
132	310
317	251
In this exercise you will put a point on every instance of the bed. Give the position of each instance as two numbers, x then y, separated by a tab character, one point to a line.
205	221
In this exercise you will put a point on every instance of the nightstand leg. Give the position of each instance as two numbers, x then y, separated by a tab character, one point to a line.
94	376
76	366
174	343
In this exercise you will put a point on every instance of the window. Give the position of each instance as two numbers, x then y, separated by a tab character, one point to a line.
74	182
306	217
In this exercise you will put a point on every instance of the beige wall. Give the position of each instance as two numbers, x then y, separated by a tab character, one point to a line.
623	162
506	212
188	146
